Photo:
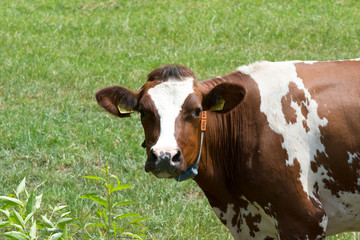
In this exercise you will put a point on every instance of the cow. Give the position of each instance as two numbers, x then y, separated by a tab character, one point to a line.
274	146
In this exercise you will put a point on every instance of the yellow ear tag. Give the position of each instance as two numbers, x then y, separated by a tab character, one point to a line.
123	110
219	105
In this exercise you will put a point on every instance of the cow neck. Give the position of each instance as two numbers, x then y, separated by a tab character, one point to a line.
193	169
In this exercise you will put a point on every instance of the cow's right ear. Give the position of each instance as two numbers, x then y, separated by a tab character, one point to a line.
117	100
223	97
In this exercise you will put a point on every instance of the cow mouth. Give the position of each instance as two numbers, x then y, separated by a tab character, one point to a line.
159	172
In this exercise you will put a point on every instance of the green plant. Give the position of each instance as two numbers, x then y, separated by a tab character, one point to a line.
108	222
54	55
21	212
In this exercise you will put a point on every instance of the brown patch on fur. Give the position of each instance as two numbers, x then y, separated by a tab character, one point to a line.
316	187
252	222
306	126
314	167
289	112
297	96
339	104
304	110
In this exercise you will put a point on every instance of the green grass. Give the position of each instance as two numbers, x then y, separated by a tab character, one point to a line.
55	54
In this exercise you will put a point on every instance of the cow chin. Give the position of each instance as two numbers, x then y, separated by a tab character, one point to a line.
164	175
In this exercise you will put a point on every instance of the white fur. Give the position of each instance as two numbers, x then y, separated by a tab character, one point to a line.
323	223
228	216
341	211
168	98
267	226
273	81
352	157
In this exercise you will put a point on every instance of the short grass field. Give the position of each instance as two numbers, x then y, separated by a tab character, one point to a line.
55	54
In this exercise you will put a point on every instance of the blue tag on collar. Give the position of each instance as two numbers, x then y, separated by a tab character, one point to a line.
190	173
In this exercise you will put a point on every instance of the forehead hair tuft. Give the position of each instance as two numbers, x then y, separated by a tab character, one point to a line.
163	73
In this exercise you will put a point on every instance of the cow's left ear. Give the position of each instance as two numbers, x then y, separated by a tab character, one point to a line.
223	97
117	100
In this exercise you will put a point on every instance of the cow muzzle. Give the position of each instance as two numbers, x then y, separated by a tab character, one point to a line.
164	162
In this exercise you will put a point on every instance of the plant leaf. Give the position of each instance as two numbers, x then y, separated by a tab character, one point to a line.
6	212
39	185
38	201
32	232
120	187
19	219
96	198
137	220
47	222
28	217
64	214
11	201
55	236
126	215
4	224
117	179
31	204
58	208
21	187
99	214
16	226
105	214
16	235
132	235
62	222
95	178
111	187
115	228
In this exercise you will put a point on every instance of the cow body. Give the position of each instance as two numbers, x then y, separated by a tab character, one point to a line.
284	163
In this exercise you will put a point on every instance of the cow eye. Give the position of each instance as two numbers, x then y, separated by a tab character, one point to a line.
197	112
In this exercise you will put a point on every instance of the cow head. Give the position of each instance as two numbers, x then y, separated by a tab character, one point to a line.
170	104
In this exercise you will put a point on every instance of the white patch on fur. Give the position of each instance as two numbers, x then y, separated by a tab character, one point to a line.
342	210
352	157
273	80
228	217
168	98
305	62
267	225
323	223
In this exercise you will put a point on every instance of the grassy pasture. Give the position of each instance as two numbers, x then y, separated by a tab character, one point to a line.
55	54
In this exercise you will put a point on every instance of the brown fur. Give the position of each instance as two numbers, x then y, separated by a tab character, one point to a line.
243	157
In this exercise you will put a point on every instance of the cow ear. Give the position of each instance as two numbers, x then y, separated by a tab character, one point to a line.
223	97
117	100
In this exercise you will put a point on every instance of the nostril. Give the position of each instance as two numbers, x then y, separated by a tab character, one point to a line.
152	155
177	157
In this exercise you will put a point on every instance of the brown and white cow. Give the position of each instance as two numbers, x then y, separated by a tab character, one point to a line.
280	158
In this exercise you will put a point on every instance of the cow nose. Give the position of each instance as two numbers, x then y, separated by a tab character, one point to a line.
173	155
164	159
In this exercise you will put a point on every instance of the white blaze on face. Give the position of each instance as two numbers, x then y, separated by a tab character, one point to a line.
168	98
273	80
